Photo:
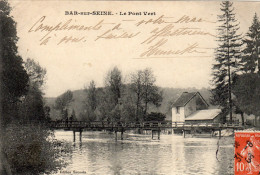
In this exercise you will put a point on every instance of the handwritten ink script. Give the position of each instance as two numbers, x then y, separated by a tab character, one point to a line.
154	36
247	153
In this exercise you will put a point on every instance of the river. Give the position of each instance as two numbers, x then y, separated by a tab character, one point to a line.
100	153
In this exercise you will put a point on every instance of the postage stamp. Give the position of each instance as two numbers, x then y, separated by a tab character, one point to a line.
247	153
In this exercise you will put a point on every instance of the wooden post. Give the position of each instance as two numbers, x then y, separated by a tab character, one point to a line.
212	132
115	135
219	133
159	134
152	134
74	136
122	132
80	135
183	133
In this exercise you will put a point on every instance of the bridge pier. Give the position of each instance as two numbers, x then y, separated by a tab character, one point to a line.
74	136
212	132
115	135
183	133
80	135
158	132
122	132
219	133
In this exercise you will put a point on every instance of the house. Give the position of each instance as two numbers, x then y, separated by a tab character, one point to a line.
193	108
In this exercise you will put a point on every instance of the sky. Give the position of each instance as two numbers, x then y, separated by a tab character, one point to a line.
72	65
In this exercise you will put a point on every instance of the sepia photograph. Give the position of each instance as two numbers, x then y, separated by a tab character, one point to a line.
129	87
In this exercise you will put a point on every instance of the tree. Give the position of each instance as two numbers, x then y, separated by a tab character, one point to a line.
62	103
113	82
73	116
154	116
246	85
92	95
142	84
136	86
247	92
151	92
105	106
250	58
36	73
113	90
24	149
32	105
227	58
91	103
14	80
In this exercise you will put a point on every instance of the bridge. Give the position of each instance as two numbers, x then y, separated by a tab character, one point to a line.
154	126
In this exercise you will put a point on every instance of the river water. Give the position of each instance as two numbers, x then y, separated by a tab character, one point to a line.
100	153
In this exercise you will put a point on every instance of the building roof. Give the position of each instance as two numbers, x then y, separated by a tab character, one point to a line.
186	97
207	114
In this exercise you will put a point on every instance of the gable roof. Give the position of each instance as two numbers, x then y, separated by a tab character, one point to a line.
206	114
186	97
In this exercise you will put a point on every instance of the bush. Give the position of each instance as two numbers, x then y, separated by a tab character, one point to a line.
155	116
31	149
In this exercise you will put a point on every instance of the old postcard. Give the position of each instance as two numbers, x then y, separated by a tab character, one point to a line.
120	87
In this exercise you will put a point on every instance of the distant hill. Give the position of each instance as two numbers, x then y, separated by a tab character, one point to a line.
170	95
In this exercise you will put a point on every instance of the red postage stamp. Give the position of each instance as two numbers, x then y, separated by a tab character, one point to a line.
247	153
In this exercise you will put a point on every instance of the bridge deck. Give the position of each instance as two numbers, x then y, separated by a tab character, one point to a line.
143	125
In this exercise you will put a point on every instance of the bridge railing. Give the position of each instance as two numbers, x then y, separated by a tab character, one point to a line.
146	124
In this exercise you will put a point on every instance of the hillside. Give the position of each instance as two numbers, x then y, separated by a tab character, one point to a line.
170	95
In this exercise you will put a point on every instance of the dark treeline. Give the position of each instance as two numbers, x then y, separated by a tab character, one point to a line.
236	70
118	100
27	145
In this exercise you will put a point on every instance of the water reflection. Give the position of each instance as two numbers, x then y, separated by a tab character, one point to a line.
99	153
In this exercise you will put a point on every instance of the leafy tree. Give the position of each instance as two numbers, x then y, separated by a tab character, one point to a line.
113	90
73	115
136	86
47	111
154	116
227	58
142	84
92	95
151	92
91	103
113	82
36	73
250	58
246	85
32	106
62	103
14	80
25	149
247	91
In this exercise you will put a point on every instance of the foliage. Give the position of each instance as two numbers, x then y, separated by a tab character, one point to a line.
91	103
92	96
32	106
246	87
111	95
36	73
250	57
247	91
62	103
227	58
14	78
33	149
155	116
145	92
113	82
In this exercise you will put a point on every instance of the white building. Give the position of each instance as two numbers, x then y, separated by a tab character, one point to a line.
192	107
